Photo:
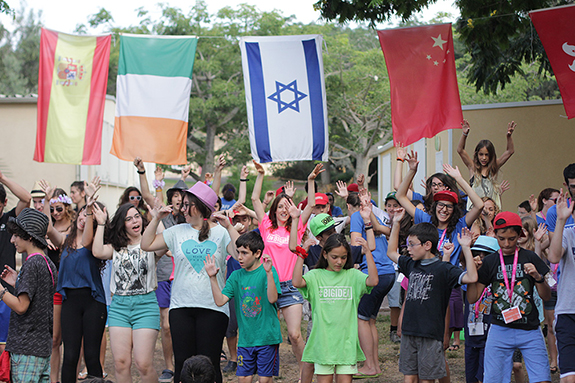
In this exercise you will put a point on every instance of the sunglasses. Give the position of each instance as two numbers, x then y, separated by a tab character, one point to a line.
135	197
59	209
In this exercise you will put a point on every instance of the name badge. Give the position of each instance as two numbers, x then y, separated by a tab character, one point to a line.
476	329
550	280
511	314
400	278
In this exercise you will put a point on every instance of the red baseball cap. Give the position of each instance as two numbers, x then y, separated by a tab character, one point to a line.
280	190
353	188
446	195
321	199
507	219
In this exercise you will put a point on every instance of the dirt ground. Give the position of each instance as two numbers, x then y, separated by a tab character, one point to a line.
388	356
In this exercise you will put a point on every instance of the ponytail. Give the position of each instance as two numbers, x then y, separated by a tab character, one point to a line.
204	231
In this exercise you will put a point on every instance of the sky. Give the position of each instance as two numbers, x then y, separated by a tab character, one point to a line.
64	18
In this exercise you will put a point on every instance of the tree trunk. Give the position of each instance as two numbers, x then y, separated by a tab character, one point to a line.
325	177
362	163
208	166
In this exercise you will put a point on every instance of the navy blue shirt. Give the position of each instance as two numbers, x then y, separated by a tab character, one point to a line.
80	269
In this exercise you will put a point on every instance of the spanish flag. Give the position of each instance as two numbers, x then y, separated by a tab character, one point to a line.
71	94
153	98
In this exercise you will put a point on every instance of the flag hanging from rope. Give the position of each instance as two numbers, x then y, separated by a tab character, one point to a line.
424	92
71	94
153	98
285	97
555	29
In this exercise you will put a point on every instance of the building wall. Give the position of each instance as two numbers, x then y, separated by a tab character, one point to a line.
543	140
17	143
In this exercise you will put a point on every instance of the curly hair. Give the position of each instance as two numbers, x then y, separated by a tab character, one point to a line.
449	183
116	232
453	219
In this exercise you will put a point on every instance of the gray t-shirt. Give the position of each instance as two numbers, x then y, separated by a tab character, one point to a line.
565	296
165	265
31	332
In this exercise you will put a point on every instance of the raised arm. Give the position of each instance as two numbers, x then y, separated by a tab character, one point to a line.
465	238
244	174
148	197
224	221
257	204
297	276
210	267
272	290
151	241
159	183
306	213
468	161
294	213
477	202
556	249
91	189
370	222
22	194
501	160
401	194
99	249
218	174
372	278
397	176
393	243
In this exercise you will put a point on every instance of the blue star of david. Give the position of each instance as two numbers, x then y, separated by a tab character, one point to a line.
291	87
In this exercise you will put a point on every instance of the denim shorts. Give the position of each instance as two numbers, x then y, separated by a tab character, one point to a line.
261	360
135	311
289	295
370	303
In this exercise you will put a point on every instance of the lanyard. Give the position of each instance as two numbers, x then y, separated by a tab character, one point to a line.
505	278
52	275
440	244
478	303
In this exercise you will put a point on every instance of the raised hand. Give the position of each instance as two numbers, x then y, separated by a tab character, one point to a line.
465	127
159	210
316	171
504	186
9	275
92	187
400	151
365	209
259	167
294	211
360	241
511	128
465	238
540	232
244	173
139	164
289	189
222	218
221	162
268	197
360	181
563	209
267	262
448	248
99	215
452	171
533	203
159	174
46	188
398	216
210	266
412	160
341	189
185	172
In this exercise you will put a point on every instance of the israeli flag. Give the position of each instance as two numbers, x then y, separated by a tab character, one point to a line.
285	97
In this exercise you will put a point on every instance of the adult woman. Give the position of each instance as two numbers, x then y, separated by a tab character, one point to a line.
198	325
134	317
275	229
83	300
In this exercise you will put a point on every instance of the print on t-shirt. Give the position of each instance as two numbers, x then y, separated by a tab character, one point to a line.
335	293
131	267
419	286
196	252
520	293
251	303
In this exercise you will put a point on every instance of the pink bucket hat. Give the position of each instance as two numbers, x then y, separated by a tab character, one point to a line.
204	194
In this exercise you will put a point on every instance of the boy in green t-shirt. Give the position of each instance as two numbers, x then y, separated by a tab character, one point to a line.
255	289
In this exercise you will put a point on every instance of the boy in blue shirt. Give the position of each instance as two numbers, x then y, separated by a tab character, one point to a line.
255	287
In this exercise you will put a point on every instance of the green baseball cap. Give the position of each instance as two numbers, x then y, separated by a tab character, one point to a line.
391	195
321	223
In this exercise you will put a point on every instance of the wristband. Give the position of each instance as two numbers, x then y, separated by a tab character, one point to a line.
465	134
101	224
244	179
368	227
2	293
541	280
158	185
300	251
400	159
141	172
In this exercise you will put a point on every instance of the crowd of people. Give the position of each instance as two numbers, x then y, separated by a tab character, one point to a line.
200	267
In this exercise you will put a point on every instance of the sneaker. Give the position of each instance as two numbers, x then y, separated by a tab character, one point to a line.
167	376
394	338
230	367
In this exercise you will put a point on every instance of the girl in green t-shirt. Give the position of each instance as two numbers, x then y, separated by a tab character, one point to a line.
334	289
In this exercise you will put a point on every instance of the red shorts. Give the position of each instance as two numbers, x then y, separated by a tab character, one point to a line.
58	299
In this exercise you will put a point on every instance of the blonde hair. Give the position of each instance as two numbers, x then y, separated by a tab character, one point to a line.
530	225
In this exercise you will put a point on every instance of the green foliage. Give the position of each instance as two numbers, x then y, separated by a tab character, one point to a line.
373	11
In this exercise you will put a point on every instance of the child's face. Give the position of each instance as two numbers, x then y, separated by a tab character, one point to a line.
320	209
521	212
437	185
19	243
489	209
507	239
247	259
336	259
324	236
391	206
483	156
417	250
478	257
133	222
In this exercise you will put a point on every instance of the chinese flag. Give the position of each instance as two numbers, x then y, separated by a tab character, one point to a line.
555	29
424	93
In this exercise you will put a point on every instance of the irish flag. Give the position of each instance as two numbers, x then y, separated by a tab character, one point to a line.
153	98
71	94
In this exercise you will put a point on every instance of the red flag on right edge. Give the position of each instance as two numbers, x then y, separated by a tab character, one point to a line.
424	92
555	29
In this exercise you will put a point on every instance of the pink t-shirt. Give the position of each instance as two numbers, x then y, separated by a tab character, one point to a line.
277	247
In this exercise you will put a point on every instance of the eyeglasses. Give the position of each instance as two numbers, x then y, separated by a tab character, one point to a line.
437	185
186	205
135	216
59	209
441	205
410	245
135	197
553	199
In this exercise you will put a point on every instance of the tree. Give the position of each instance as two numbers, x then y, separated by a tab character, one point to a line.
498	35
